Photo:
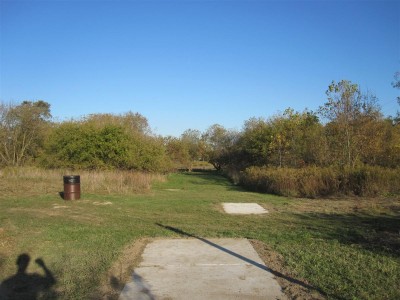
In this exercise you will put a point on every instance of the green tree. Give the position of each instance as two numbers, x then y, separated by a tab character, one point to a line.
178	152
85	145
381	143
192	141
22	131
149	154
296	139
396	85
76	145
219	144
346	109
310	143
283	134
255	141
132	123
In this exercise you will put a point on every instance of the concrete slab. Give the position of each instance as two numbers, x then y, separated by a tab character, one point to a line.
244	208
201	269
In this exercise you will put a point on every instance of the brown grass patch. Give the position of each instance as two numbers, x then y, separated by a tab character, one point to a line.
7	248
79	214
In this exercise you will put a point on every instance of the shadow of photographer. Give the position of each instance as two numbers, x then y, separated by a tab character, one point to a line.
25	285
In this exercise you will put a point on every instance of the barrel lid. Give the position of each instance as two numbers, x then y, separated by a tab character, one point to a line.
72	179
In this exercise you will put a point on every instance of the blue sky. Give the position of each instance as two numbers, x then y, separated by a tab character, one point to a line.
191	64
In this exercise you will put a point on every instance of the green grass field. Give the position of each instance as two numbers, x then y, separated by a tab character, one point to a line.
346	248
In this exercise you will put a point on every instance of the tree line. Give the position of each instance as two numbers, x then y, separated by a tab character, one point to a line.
347	132
97	141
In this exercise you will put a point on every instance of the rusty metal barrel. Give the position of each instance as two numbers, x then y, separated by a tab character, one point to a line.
72	187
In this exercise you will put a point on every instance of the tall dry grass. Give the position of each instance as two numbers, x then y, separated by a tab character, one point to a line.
29	181
119	182
314	182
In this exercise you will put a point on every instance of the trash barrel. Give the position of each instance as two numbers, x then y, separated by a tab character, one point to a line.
72	187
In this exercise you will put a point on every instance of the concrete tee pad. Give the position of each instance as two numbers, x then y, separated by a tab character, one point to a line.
243	208
201	269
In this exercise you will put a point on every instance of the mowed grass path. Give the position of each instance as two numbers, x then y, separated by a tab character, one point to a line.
348	249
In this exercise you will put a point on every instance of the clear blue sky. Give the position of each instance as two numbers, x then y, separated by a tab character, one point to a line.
190	64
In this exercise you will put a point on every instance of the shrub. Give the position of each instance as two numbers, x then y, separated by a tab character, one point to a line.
271	180
371	181
77	145
314	182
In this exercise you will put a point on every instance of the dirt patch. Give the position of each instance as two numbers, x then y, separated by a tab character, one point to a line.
102	203
292	286
78	214
55	206
121	271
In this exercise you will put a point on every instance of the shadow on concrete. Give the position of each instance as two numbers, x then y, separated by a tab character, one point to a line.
25	285
241	257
